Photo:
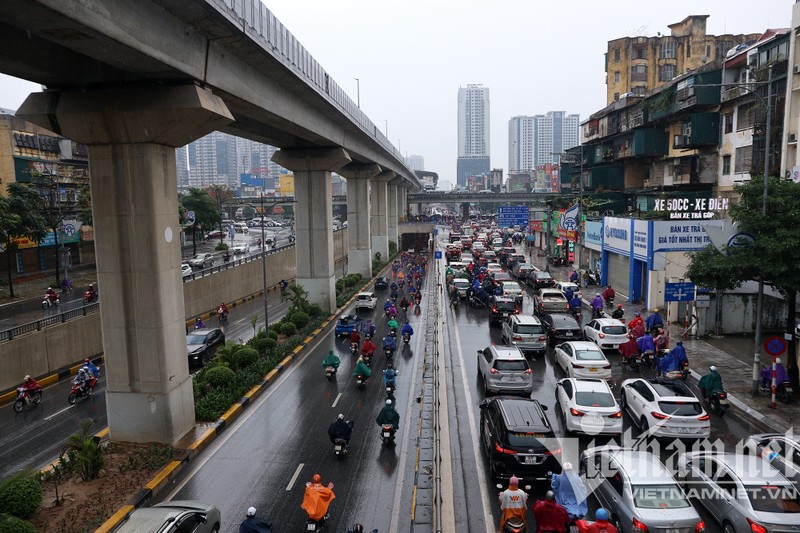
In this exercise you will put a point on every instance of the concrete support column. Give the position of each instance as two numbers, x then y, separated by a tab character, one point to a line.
359	255
132	135
403	203
392	199
378	214
314	219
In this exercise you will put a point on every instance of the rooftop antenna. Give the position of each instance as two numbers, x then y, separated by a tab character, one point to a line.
636	32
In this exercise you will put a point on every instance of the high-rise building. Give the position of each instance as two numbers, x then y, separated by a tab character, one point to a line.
640	64
473	132
215	161
182	167
540	139
415	162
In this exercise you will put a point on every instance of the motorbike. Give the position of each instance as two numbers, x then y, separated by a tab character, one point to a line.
361	381
340	448
598	313
783	392
317	525
354	348
406	338
389	354
718	401
476	302
609	303
26	397
367	358
682	373
387	434
89	297
77	391
50	301
390	388
330	372
222	313
404	308
577	314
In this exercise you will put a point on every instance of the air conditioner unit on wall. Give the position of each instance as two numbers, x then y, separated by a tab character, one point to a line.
796	69
792	137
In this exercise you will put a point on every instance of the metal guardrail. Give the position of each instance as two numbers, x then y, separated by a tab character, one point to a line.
9	334
232	263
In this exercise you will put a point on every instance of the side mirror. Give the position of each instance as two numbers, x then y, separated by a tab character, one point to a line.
544	407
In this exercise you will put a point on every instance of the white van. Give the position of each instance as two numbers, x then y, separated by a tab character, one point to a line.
241	227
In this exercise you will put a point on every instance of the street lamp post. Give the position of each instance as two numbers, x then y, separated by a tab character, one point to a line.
358	92
264	263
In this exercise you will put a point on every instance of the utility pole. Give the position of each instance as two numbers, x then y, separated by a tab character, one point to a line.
264	262
549	234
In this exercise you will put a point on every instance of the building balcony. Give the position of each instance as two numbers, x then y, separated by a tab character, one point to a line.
701	130
607	177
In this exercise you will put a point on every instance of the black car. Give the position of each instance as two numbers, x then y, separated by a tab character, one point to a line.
540	279
202	343
518	439
502	308
381	283
561	327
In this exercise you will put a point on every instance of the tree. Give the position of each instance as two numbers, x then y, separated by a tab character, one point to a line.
85	205
772	254
57	200
222	196
19	218
205	211
248	212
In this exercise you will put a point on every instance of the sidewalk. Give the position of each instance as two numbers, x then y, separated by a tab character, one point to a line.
732	355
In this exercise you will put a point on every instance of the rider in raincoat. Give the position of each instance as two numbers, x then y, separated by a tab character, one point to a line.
317	498
361	368
331	360
570	492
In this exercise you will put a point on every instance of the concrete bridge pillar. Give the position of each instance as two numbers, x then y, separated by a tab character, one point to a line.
314	218
392	198
403	203
379	214
132	135
359	256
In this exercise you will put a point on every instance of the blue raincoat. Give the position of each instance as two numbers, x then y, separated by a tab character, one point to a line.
570	493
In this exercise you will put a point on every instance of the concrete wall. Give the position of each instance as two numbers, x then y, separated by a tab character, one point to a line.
45	352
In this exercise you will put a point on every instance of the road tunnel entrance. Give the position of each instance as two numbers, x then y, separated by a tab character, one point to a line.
415	241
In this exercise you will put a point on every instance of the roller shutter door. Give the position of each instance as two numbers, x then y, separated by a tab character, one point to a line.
619	269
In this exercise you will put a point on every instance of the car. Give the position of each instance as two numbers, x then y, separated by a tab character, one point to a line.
561	327
173	517
366	300
502	307
782	451
502	276
467	259
563	286
504	370
518	440
607	333
638	491
581	359
273	224
494	267
241	227
524	332
513	260
186	270
201	260
742	492
461	284
665	408
381	283
521	270
478	247
201	344
547	301
490	256
241	248
458	268
539	279
588	406
216	234
347	324
513	290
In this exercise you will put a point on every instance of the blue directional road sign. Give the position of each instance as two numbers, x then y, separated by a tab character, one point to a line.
679	292
512	215
437	254
436	231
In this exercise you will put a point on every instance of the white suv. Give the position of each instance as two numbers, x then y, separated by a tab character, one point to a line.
366	300
524	332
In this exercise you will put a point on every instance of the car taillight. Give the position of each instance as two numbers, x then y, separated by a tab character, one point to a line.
517	338
659	416
639	527
553	452
703	418
618	414
755	527
700	527
543	338
575	412
554	330
494	309
494	371
607	366
577	366
601	335
529	371
500	449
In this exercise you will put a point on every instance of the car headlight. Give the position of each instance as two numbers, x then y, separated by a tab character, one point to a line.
198	350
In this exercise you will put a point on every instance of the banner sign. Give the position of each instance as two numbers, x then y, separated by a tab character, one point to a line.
691	208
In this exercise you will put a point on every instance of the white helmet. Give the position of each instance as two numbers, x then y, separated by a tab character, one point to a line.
341	416
251	511
777	360
388	402
567	466
712	368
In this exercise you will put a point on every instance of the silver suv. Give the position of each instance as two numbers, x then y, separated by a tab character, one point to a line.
524	332
504	370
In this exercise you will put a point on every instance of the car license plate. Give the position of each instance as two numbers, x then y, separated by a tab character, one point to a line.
672	530
505	314
573	529
593	369
530	460
311	527
568	334
682	430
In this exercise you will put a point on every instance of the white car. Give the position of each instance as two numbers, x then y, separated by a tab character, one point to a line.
494	267
564	285
186	270
607	333
241	248
201	260
588	406
512	289
665	408
366	300
461	284
582	359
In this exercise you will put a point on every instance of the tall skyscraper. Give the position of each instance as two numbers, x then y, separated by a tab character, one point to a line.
540	139
182	167
473	132
215	161
415	162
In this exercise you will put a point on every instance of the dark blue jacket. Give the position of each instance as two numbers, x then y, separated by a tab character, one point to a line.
652	321
254	524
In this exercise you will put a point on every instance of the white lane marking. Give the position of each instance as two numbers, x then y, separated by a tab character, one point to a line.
336	400
294	477
487	511
58	413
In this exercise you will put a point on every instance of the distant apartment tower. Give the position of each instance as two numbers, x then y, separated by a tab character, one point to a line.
182	167
640	64
415	162
473	132
540	139
214	161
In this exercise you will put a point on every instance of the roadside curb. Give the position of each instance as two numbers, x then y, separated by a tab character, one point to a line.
214	429
61	375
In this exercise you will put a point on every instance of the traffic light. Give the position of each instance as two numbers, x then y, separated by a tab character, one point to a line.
571	254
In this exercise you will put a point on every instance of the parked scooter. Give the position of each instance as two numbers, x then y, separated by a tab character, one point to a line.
783	392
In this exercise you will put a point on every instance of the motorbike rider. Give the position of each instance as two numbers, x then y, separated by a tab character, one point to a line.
618	313
389	376
362	369
389	343
317	498
417	297
636	321
369	328
254	524
386	306
407	329
653	320
575	304
513	503
569	293
283	284
30	385
226	256
597	305
91	368
199	324
341	429
710	383
92	292
355	337
629	349
391	312
570	492
368	347
405	304
573	277
646	345
660	339
781	375
331	360
84	380
671	361
609	295
222	310
388	416
393	325
600	524
550	516
51	294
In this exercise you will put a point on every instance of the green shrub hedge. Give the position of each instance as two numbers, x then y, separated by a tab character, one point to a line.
20	495
288	329
300	319
219	376
12	524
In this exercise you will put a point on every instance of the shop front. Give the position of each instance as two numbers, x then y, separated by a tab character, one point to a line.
624	256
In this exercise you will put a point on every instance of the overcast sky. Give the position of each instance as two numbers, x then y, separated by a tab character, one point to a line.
535	56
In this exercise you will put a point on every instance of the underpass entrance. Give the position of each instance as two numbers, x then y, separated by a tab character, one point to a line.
419	242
